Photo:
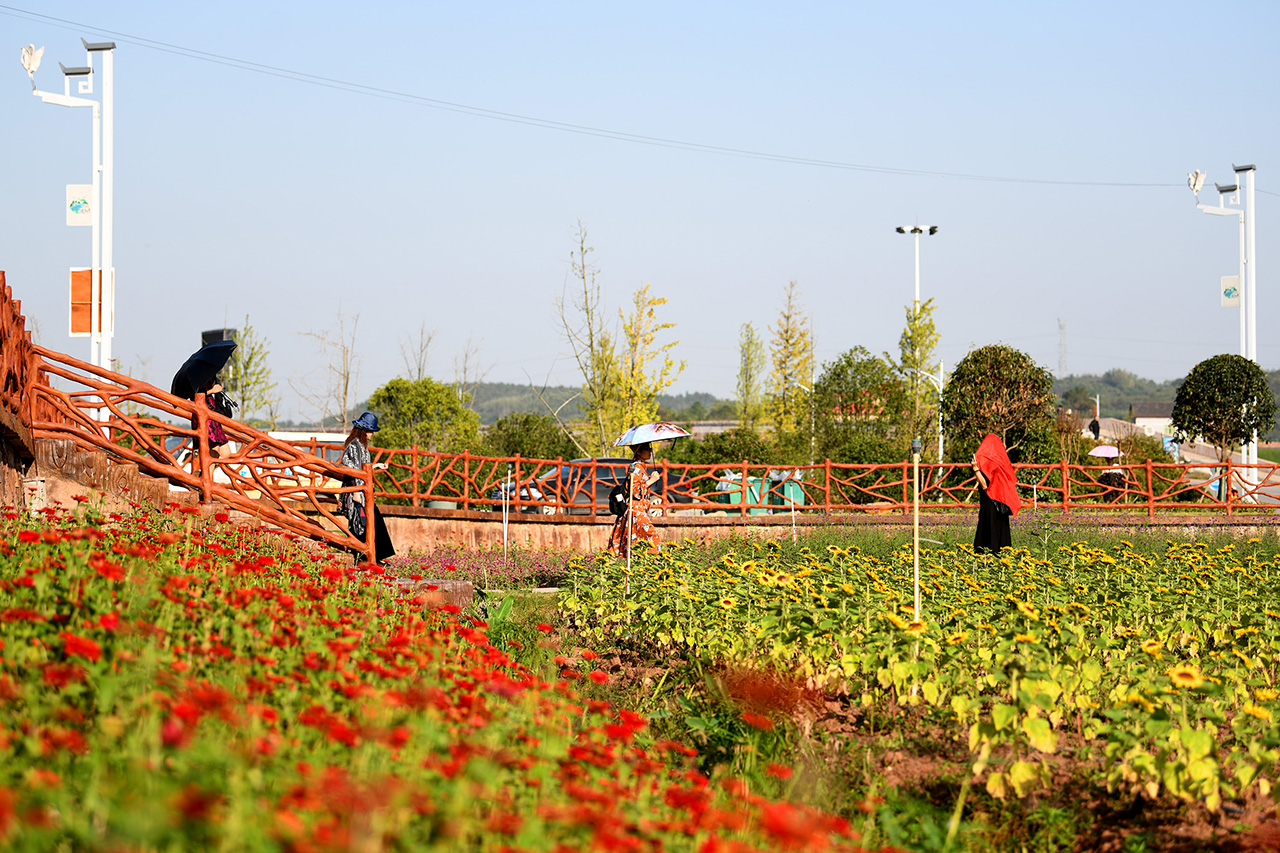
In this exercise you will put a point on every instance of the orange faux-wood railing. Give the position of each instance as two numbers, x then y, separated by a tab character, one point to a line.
57	396
416	476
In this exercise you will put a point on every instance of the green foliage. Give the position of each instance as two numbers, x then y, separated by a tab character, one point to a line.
530	435
735	445
751	367
425	413
644	367
1077	400
998	389
1226	400
917	356
863	409
1119	389
248	378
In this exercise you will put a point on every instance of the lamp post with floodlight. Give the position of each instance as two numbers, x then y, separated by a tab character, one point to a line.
102	285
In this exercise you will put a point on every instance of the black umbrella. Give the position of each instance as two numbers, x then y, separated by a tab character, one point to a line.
203	365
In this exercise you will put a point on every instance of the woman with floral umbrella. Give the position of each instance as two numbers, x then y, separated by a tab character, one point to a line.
633	525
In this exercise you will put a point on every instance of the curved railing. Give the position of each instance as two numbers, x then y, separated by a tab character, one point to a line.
419	477
59	397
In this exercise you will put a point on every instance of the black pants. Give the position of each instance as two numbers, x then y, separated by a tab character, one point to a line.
382	547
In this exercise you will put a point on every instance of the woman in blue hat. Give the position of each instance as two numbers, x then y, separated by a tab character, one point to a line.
355	454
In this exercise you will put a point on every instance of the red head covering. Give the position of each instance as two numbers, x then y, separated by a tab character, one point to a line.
994	464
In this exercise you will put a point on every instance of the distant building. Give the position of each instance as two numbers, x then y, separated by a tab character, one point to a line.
1152	417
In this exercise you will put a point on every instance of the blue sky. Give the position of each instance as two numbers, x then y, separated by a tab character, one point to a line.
241	192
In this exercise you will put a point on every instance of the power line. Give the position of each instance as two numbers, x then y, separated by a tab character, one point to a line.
534	121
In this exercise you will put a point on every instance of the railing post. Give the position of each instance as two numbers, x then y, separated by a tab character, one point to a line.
515	484
202	449
466	479
1227	491
1066	486
826	497
413	476
370	549
1151	492
906	487
746	493
665	481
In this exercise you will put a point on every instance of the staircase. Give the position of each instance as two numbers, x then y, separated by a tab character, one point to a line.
68	472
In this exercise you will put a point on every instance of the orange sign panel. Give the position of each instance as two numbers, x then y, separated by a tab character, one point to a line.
81	298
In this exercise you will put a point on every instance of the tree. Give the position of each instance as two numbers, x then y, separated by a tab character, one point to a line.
248	379
531	435
335	394
645	368
916	347
621	378
731	447
1077	400
998	389
582	319
864	409
791	353
751	367
1226	400
468	373
414	352
423	413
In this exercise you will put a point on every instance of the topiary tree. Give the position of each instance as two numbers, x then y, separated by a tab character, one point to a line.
998	389
425	413
863	410
1225	400
531	435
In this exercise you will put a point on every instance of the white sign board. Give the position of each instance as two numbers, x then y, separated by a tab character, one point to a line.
80	204
1231	291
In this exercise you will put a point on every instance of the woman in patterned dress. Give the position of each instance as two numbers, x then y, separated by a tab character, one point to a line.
355	454
641	501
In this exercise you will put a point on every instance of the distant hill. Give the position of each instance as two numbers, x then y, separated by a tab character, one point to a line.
496	399
1119	388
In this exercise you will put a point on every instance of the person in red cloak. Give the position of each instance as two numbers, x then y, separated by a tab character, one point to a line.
997	496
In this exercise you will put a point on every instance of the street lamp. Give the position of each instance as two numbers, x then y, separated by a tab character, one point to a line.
1248	267
915	231
102	286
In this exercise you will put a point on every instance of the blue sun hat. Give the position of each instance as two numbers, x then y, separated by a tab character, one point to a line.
367	422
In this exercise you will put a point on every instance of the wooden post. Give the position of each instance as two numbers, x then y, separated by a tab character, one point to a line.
1151	492
413	477
202	449
906	492
466	479
1226	486
742	505
1066	486
370	549
826	497
515	483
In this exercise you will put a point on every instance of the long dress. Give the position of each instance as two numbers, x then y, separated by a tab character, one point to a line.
356	455
637	515
993	527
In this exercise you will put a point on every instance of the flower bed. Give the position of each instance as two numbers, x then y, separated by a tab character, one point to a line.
165	685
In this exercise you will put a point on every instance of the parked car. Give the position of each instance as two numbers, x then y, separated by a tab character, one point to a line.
571	483
526	494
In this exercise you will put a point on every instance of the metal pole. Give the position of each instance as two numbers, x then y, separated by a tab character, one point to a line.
941	375
108	205
1252	292
915	523
95	274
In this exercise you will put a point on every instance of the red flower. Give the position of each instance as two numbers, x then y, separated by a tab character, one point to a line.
80	647
28	536
597	676
756	721
779	771
544	627
222	517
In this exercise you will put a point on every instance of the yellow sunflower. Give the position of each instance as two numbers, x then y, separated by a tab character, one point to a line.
1024	638
915	629
1265	694
1028	610
957	638
1152	647
1256	711
1185	675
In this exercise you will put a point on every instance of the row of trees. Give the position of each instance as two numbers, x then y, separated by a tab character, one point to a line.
858	408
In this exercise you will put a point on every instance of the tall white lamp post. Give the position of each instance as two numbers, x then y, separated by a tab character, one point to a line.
1248	275
915	231
102	286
